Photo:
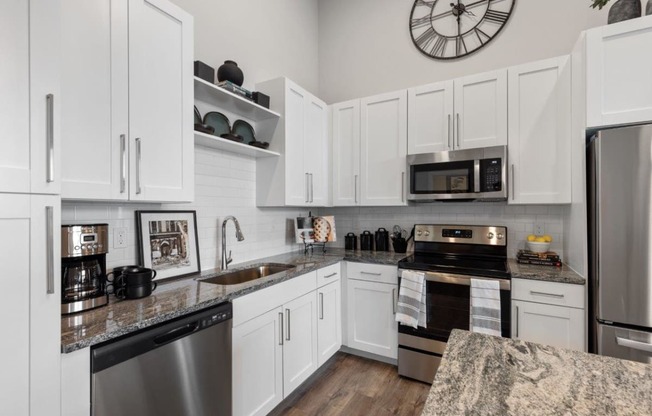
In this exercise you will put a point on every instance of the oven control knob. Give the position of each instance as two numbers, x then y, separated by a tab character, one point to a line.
427	233
500	236
419	233
490	236
77	247
94	245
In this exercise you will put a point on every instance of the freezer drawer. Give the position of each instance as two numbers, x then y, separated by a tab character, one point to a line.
625	343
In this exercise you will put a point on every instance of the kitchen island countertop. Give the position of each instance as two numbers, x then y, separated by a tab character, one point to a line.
486	375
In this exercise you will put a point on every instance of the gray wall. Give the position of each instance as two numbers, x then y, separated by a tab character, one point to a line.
365	46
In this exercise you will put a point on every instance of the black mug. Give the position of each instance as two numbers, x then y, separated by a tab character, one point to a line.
135	292
366	241
350	241
131	282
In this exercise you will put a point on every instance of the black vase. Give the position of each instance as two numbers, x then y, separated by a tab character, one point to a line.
229	71
624	10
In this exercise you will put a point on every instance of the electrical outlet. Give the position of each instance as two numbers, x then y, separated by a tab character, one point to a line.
120	237
538	229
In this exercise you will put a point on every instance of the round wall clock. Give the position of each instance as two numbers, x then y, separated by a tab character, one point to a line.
449	29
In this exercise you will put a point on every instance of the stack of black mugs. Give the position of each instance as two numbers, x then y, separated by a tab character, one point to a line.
131	282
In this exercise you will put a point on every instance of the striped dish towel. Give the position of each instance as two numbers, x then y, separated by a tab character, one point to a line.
411	305
485	307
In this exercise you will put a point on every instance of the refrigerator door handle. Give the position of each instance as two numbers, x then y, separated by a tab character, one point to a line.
637	345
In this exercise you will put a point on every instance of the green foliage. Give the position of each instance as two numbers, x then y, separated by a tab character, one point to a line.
599	3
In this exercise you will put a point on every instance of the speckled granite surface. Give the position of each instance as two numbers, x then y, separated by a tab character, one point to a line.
563	274
485	375
181	297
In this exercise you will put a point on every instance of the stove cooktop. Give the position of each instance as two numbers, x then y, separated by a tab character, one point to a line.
467	265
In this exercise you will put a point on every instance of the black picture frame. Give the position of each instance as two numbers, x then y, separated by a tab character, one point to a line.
168	242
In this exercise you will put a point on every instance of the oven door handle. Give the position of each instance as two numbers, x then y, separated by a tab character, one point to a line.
459	279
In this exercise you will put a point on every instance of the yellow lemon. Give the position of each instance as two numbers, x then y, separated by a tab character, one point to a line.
531	237
540	240
547	238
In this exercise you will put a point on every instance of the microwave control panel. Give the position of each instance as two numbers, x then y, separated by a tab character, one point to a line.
491	174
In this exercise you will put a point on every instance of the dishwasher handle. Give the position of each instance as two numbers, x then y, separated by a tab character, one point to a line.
175	334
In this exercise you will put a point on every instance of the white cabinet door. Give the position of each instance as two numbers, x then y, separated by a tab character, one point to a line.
329	324
383	120
258	364
29	270
371	311
540	132
558	326
297	178
300	341
346	153
618	87
316	150
430	118
160	102
95	105
481	110
29	96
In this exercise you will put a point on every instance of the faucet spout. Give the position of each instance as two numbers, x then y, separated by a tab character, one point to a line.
238	235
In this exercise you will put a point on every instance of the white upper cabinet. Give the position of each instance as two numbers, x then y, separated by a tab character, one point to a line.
300	176
30	96
540	132
618	71
140	124
346	153
481	110
430	118
383	148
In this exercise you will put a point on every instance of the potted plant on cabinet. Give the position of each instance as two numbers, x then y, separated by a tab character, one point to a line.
623	9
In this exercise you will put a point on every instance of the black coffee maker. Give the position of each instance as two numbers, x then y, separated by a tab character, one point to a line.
83	267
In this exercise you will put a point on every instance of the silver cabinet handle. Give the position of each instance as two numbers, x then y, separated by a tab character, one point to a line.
312	189
516	322
138	163
321	305
394	300
49	233
513	182
307	187
123	163
449	131
355	188
370	273
280	327
330	275
637	345
402	186
49	137
550	295
458	131
287	314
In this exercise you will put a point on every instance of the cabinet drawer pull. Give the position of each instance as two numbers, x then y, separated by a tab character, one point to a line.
321	305
330	275
123	163
49	230
138	163
550	295
371	274
280	327
449	132
287	313
513	183
458	130
49	137
394	300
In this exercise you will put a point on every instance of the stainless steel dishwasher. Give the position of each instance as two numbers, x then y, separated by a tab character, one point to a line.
178	368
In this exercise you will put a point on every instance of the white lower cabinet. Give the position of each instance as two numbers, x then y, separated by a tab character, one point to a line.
76	383
549	313
329	321
371	308
299	342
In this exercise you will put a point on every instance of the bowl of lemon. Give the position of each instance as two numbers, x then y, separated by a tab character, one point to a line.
538	244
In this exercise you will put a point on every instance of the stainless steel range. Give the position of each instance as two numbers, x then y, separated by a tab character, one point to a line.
450	255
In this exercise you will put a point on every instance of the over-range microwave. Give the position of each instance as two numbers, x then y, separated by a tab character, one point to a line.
471	175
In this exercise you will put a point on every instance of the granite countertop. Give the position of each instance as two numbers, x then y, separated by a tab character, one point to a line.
563	274
485	375
183	296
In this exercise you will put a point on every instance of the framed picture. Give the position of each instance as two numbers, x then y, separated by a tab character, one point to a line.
168	242
314	229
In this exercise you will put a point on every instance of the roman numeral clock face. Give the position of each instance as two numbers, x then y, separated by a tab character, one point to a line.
449	29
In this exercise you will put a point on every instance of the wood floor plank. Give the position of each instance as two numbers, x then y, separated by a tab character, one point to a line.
351	385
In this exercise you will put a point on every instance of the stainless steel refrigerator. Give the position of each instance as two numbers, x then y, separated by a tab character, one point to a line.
620	242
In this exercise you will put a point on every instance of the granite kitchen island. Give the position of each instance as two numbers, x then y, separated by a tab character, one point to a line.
485	375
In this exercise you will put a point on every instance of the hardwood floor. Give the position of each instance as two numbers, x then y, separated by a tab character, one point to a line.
351	385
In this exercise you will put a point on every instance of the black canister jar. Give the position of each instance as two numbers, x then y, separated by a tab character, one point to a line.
350	241
229	71
382	239
366	241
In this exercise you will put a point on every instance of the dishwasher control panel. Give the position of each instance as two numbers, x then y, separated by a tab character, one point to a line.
216	318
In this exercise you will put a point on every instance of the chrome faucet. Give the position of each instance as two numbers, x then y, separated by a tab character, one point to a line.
238	235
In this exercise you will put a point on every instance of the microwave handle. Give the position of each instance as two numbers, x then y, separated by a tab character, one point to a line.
476	176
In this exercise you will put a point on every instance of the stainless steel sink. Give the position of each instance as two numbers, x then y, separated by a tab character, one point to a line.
246	275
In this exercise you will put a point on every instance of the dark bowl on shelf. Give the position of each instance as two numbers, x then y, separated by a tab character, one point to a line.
232	137
260	145
204	128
